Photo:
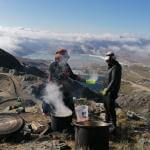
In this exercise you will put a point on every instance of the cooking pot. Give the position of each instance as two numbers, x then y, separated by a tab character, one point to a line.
60	122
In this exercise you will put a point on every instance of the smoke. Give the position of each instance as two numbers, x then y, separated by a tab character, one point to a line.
54	97
93	75
64	60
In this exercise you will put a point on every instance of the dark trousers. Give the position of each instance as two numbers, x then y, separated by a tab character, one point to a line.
109	104
68	100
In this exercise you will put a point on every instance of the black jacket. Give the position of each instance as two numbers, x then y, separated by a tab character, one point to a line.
63	75
57	72
114	78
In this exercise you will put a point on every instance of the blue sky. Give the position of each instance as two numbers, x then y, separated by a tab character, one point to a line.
85	16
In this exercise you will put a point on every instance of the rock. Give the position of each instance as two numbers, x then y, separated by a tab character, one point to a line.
17	105
4	70
102	116
138	99
26	133
27	128
20	110
9	61
144	141
100	106
13	72
9	110
14	109
28	103
29	77
96	107
33	109
38	127
61	145
134	116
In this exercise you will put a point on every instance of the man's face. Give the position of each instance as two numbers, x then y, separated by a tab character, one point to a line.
64	58
109	61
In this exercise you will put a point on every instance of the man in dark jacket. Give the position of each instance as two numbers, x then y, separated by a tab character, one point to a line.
61	74
112	86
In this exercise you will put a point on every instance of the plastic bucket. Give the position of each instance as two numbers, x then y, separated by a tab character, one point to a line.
82	113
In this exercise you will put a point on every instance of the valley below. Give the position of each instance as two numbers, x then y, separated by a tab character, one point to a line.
22	93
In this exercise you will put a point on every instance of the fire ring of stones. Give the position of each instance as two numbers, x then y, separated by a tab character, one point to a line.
10	123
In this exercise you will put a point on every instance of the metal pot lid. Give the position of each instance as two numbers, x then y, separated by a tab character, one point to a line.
10	123
91	124
62	115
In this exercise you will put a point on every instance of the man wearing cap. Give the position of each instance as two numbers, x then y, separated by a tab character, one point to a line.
61	74
112	86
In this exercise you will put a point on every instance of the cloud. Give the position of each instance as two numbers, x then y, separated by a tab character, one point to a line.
26	42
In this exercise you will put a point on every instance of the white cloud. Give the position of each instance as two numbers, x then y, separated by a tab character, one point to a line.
26	41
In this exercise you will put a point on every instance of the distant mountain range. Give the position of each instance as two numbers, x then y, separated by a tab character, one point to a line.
40	44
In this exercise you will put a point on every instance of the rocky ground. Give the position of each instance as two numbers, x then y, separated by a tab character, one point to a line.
22	93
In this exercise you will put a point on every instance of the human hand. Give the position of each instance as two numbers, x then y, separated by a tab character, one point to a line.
104	92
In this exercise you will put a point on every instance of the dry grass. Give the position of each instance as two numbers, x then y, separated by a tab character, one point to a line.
126	138
129	146
126	88
71	144
130	77
141	71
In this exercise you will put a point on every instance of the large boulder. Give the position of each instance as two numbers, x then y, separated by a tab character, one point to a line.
9	61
